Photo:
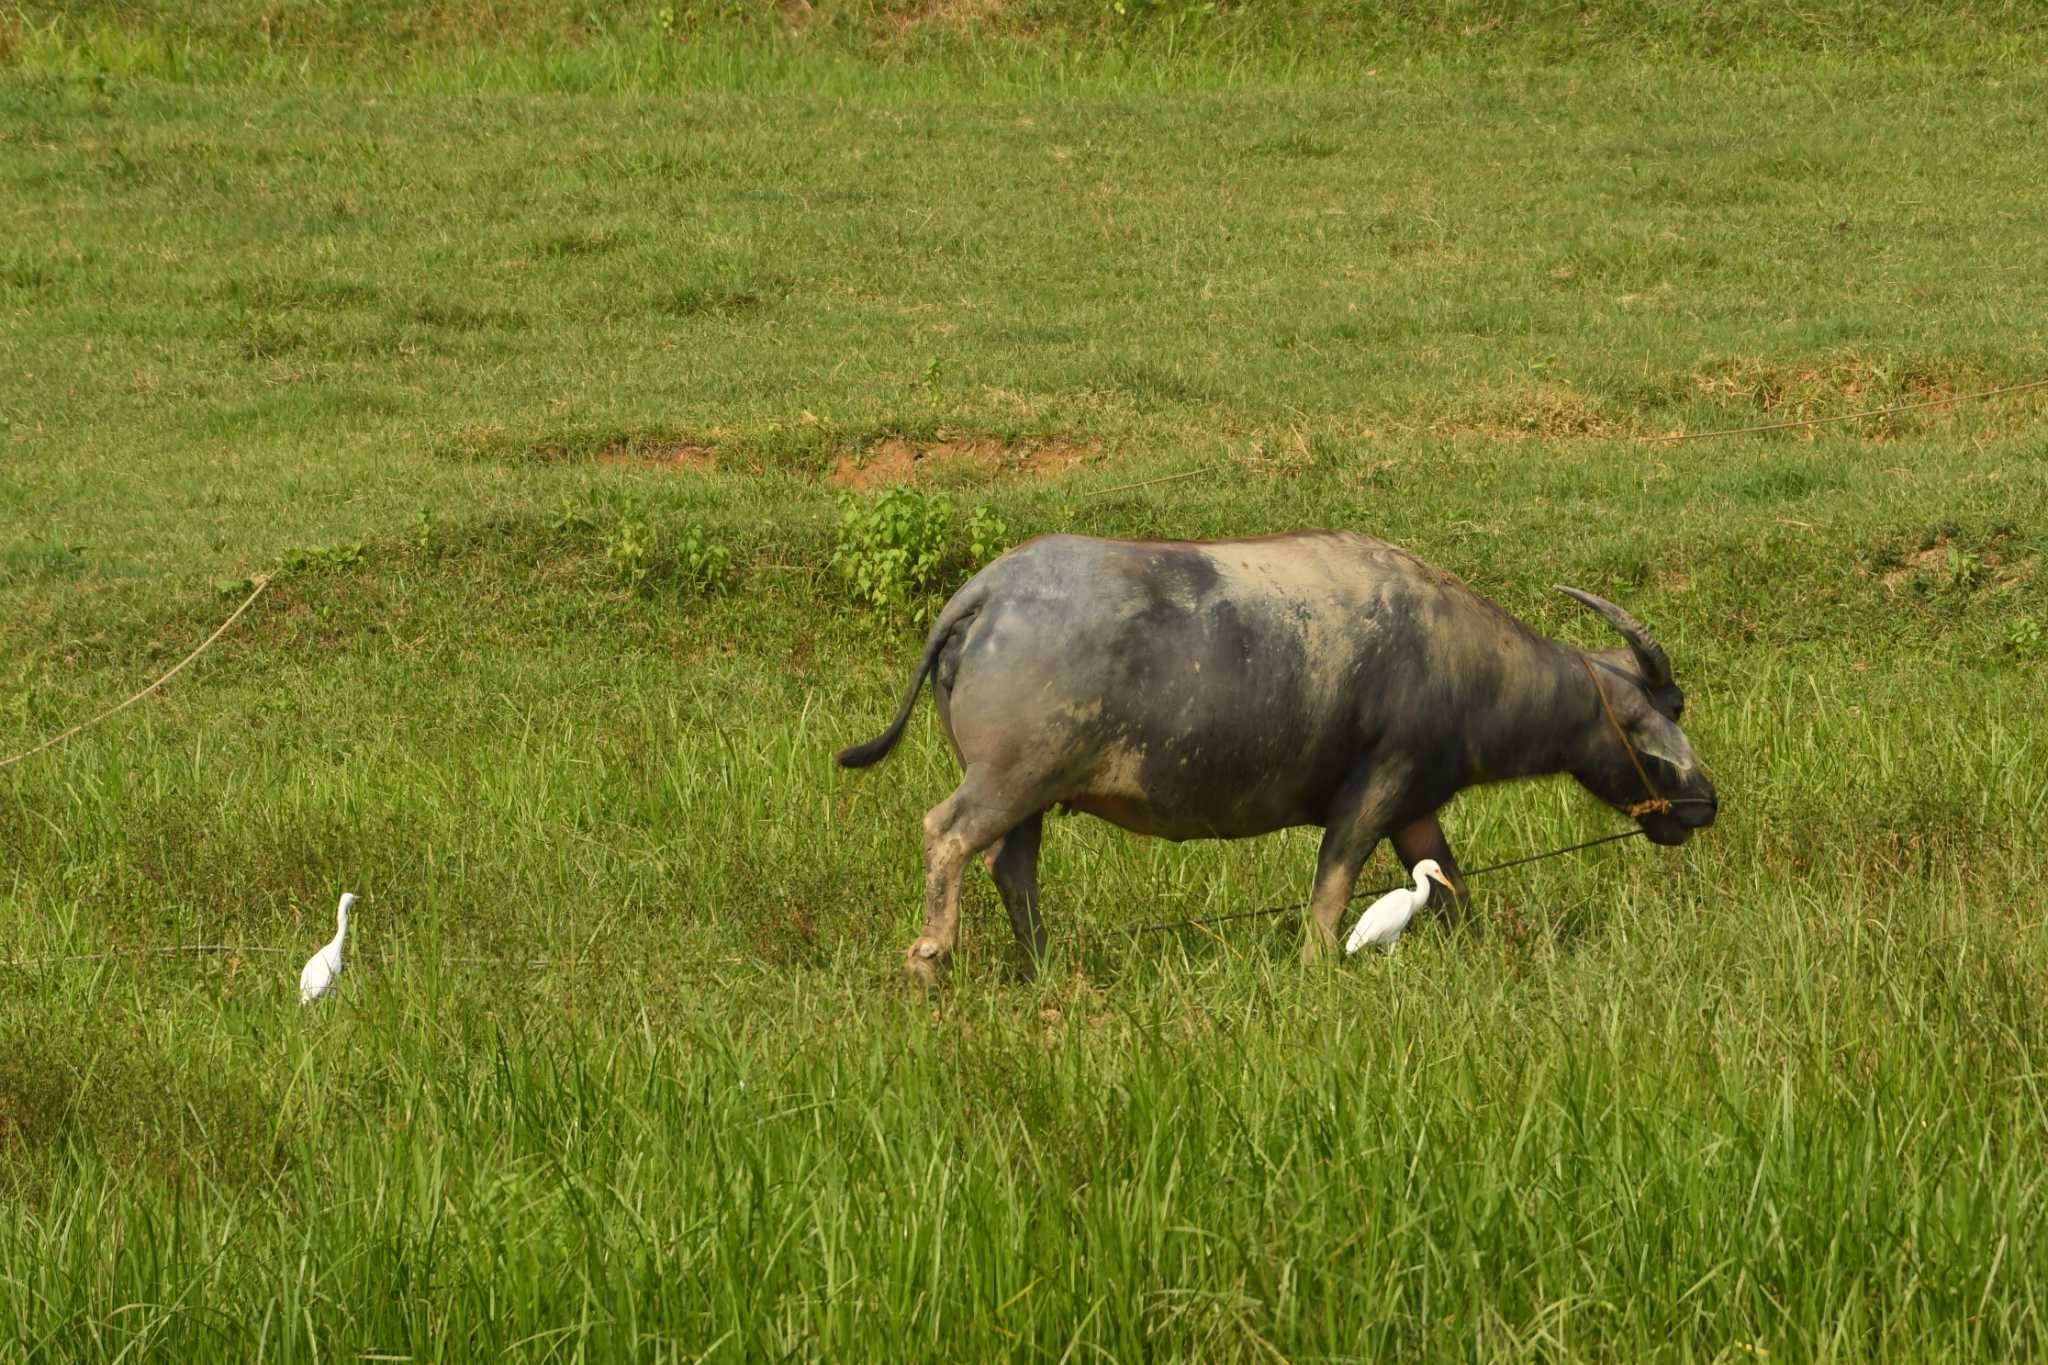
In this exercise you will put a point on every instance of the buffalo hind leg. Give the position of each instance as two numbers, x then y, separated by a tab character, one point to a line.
1425	839
956	829
1013	863
1357	821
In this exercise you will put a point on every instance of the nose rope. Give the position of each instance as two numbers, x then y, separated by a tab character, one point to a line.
1656	802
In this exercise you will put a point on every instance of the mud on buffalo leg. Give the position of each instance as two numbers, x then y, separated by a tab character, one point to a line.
1425	839
956	829
1355	824
1013	863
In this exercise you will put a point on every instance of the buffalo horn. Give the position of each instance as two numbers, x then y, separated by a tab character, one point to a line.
1649	654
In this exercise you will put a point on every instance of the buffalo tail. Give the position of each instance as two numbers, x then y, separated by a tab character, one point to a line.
957	612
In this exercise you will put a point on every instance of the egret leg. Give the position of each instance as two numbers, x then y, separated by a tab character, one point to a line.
956	829
1013	863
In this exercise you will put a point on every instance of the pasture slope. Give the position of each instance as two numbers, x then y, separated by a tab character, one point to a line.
497	324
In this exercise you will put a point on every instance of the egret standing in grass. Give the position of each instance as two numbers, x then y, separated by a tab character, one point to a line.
323	969
1386	917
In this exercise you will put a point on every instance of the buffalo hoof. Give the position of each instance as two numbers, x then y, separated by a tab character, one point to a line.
925	964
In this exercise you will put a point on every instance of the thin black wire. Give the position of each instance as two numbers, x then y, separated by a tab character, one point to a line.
1356	895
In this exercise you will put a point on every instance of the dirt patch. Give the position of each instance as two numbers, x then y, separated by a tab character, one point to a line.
606	445
1548	412
901	460
1812	388
957	15
683	458
1856	382
1928	563
1829	387
1946	564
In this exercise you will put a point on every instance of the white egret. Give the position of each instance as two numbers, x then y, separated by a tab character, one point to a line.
1386	917
324	967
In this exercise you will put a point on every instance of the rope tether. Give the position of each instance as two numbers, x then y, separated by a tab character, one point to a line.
262	581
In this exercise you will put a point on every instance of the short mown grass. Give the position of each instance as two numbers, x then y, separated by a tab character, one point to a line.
622	1067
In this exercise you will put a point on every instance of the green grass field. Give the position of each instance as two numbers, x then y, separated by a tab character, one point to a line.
461	321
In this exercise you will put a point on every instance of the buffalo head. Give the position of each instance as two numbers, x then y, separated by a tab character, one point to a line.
1646	704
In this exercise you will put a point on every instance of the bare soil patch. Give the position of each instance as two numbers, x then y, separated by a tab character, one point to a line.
1945	563
689	452
901	460
956	15
1925	563
1820	387
679	456
1824	387
1855	382
1546	412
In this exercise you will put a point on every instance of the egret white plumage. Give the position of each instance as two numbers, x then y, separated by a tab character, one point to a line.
324	967
1386	917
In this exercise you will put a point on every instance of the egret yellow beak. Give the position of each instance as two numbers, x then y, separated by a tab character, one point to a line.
1445	880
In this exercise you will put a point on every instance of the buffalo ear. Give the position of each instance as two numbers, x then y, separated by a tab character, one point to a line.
1650	657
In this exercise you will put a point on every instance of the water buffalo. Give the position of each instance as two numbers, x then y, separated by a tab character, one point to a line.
1221	689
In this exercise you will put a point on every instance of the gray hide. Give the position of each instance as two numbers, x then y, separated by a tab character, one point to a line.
1221	689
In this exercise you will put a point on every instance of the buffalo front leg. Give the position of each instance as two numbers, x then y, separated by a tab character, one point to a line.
1013	863
956	829
1425	839
1356	823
